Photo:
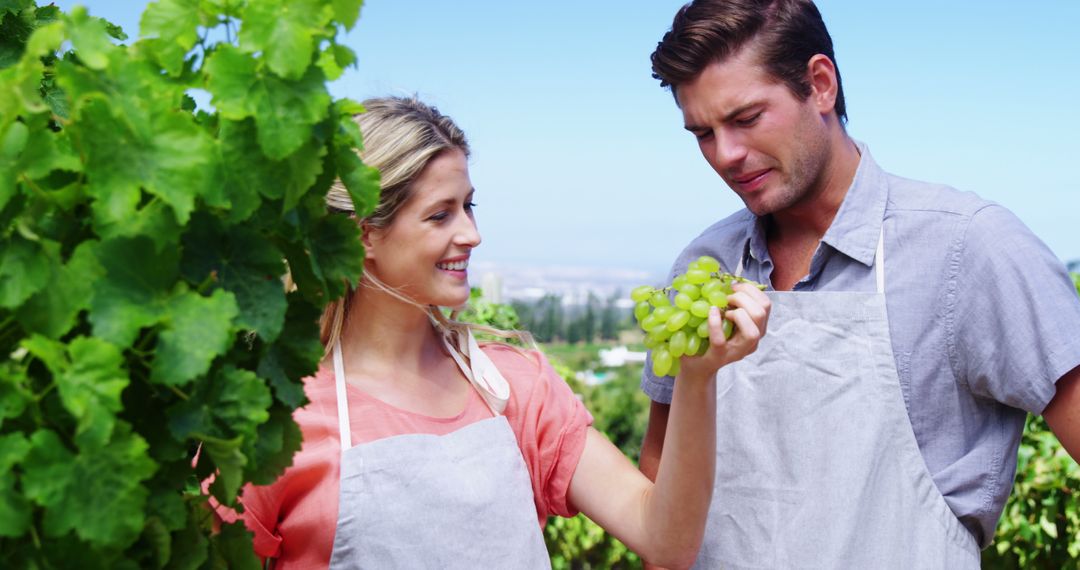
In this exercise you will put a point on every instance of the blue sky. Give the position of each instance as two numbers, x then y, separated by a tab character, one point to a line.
579	157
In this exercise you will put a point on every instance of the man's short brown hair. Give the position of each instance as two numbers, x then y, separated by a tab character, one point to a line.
785	34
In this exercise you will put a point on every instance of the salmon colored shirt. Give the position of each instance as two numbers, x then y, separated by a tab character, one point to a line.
294	518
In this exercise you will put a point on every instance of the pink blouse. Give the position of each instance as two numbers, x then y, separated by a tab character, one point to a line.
294	518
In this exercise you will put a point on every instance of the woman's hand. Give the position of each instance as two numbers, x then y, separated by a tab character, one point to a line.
750	313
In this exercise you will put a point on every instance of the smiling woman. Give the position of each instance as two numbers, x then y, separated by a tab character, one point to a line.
411	420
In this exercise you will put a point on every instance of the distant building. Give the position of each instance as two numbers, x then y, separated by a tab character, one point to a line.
619	356
491	287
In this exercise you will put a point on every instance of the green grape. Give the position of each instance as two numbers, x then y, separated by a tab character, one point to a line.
709	264
709	286
693	343
651	341
694	266
703	330
641	310
661	361
700	309
729	328
662	314
718	299
703	348
659	299
683	301
691	291
678	281
677	320
642	293
678	344
696	276
675	367
649	322
694	320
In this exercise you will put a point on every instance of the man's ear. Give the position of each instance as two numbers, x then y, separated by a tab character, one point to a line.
823	83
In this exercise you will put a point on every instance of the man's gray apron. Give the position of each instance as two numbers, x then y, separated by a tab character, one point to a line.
460	500
817	464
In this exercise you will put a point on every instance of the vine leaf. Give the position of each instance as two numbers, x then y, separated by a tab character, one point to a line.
284	32
197	329
170	30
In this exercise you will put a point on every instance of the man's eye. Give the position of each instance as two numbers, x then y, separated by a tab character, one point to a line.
469	206
747	121
702	135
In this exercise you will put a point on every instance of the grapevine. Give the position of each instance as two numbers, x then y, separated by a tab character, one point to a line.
679	326
144	243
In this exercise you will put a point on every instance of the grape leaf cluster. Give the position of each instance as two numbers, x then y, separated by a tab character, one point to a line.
147	340
679	326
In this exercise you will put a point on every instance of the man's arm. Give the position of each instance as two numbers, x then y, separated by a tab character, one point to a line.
1062	414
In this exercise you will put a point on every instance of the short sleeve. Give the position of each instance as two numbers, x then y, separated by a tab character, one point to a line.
550	423
1013	312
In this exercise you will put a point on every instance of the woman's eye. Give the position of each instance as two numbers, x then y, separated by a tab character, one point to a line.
438	217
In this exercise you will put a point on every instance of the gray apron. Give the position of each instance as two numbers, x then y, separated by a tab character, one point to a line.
817	464
460	500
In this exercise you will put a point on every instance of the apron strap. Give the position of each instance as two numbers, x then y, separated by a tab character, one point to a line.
344	429
484	377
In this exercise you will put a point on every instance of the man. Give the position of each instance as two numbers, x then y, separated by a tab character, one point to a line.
913	326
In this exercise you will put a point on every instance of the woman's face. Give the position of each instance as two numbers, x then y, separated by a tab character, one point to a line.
424	252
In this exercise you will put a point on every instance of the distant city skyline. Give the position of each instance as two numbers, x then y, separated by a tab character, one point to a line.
580	159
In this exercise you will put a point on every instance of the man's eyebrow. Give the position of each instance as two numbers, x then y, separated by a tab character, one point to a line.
727	118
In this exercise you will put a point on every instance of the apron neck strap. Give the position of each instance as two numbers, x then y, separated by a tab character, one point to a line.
344	429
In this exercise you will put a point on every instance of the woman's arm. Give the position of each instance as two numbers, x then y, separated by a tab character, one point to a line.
664	521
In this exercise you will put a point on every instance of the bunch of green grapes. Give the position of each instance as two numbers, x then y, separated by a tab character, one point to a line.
682	328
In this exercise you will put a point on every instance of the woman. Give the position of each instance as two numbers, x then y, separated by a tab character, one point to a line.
424	449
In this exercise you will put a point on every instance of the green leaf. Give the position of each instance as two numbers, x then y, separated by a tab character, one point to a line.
284	110
295	354
90	388
197	330
13	392
15	510
47	150
234	404
52	311
169	156
190	548
24	270
284	31
251	171
89	376
243	262
347	12
89	38
12	144
337	253
277	442
135	290
25	76
230	461
169	28
233	545
360	180
76	490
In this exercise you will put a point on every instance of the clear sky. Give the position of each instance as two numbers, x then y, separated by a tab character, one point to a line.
580	158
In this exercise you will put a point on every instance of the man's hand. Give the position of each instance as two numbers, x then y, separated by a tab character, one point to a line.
750	314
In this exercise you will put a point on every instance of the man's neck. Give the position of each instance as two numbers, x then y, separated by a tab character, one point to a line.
794	234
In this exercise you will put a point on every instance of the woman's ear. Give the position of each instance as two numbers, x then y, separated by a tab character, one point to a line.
369	237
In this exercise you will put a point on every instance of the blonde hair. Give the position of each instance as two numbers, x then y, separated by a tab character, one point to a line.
401	136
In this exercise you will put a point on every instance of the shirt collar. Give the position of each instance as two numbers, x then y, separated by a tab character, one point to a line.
855	229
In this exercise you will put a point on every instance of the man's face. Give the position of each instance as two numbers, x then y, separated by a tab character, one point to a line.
769	146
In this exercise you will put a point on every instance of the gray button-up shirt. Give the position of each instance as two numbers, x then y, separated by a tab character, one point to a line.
984	319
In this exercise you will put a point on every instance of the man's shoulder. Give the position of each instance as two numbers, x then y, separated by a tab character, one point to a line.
723	240
732	230
910	195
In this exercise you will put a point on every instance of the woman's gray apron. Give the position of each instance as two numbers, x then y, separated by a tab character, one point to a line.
460	500
817	464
